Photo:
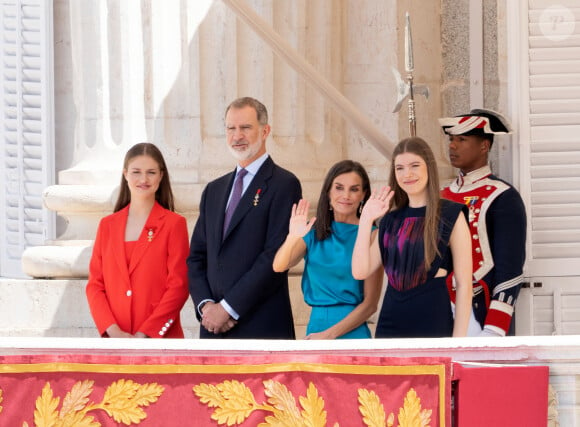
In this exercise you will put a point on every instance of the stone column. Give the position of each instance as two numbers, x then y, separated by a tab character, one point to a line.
123	75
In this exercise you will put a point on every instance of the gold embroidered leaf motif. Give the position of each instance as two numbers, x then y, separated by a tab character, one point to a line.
237	405
313	414
391	420
235	390
371	408
45	414
281	399
78	419
281	420
120	391
426	417
411	415
209	394
147	394
77	398
123	399
125	412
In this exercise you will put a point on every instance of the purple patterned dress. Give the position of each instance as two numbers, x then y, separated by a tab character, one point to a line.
416	303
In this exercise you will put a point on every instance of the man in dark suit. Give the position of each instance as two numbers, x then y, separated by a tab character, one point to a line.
235	291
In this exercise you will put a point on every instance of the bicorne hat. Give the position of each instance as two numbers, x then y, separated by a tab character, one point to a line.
477	122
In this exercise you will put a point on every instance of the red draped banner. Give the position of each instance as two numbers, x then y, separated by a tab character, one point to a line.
259	390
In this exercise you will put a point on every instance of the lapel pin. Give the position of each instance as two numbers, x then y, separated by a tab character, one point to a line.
257	197
150	233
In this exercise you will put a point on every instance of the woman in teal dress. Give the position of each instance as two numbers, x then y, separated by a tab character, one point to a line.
341	305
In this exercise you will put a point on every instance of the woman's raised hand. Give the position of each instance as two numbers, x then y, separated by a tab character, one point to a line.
377	205
299	223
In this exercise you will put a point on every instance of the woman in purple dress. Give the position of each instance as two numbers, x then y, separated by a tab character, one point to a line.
420	239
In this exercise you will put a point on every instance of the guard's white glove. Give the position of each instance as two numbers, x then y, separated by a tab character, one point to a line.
486	332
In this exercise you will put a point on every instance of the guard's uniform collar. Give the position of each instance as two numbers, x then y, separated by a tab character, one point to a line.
473	176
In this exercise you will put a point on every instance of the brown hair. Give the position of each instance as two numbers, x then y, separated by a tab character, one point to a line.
324	215
261	111
400	199
163	195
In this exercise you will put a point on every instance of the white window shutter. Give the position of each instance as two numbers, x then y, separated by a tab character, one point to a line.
554	138
26	128
545	80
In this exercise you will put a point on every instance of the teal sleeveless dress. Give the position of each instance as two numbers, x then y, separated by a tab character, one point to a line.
327	282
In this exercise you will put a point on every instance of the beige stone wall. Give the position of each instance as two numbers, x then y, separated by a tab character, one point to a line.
456	81
426	22
132	72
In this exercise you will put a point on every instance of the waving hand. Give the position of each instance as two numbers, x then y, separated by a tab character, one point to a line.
299	223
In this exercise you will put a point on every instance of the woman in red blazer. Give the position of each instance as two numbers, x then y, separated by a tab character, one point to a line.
138	276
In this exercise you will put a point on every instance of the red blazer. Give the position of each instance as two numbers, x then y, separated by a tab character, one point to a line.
147	295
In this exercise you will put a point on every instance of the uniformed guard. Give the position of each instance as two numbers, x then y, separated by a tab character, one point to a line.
497	219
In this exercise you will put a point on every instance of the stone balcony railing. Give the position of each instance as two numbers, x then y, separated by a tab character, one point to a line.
560	353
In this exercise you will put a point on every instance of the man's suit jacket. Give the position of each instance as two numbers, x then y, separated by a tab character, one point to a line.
238	267
148	295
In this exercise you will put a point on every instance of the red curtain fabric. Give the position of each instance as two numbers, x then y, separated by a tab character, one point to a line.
501	396
211	390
